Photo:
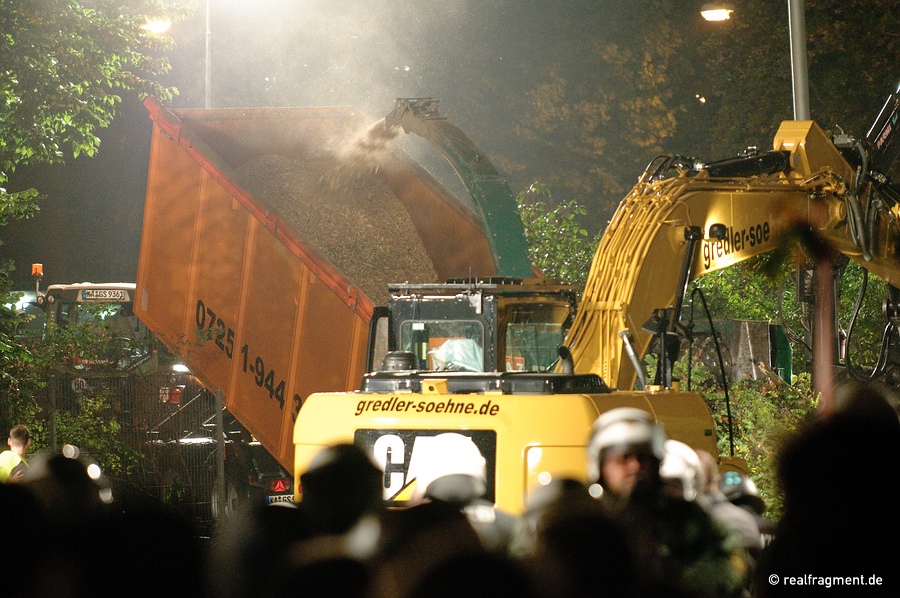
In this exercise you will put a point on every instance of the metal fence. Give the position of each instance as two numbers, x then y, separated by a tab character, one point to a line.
167	437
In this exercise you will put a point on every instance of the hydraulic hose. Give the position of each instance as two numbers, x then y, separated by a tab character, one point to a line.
699	292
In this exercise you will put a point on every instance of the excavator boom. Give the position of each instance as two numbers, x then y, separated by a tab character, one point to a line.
637	268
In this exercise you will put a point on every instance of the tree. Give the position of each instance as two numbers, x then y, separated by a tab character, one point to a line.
598	125
558	244
64	64
706	90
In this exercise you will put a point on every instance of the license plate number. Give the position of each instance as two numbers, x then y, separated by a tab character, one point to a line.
277	498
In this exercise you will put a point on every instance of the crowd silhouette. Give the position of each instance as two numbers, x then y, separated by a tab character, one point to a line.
655	518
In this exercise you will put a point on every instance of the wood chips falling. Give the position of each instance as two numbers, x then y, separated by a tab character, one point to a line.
347	214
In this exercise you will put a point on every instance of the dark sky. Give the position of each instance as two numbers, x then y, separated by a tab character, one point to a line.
472	55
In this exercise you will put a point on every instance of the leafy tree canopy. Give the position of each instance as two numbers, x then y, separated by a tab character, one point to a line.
696	88
559	246
63	64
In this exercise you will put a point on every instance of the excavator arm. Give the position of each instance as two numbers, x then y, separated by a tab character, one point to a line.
669	231
490	193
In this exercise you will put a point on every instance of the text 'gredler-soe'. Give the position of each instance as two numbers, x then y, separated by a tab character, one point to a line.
734	241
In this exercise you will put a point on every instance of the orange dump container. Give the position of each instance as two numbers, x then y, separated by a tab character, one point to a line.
252	308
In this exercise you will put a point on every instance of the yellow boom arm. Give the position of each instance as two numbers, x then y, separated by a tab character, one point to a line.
639	262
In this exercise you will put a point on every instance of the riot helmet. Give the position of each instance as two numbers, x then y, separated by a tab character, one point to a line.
623	428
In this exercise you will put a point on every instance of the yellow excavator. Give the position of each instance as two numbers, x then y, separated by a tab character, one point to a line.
684	218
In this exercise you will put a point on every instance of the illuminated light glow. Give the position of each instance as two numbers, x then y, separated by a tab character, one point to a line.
716	12
70	451
544	478
595	490
180	368
700	98
157	26
93	471
534	457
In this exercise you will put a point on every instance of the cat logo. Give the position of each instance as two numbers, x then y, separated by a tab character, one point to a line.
409	456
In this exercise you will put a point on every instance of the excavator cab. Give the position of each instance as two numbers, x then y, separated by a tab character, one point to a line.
487	325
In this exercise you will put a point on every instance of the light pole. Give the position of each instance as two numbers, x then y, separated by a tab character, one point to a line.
161	26
207	95
823	327
797	26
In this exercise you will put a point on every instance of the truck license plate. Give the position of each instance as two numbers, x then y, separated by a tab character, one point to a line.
277	498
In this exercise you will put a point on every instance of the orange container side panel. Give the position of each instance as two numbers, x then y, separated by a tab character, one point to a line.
261	389
167	239
237	304
213	311
331	351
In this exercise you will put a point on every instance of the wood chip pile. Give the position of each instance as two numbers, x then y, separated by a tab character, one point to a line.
346	214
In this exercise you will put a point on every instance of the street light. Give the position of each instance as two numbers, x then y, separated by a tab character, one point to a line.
797	25
161	26
799	69
157	26
716	12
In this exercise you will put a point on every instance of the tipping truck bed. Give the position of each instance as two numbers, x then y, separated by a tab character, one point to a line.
229	283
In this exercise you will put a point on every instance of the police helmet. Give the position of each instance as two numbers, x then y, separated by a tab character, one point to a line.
623	428
452	469
682	465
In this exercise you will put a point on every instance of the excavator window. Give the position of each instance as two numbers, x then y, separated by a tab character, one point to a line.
534	333
445	345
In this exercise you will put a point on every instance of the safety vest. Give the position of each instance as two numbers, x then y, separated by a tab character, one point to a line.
9	460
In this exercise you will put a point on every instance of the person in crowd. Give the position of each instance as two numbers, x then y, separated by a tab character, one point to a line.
440	524
25	533
320	546
729	515
543	500
741	491
573	547
82	543
477	575
839	515
342	489
682	472
13	462
455	474
69	486
677	547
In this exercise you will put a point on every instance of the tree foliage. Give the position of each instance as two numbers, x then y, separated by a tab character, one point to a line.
667	82
39	363
64	66
764	415
558	244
